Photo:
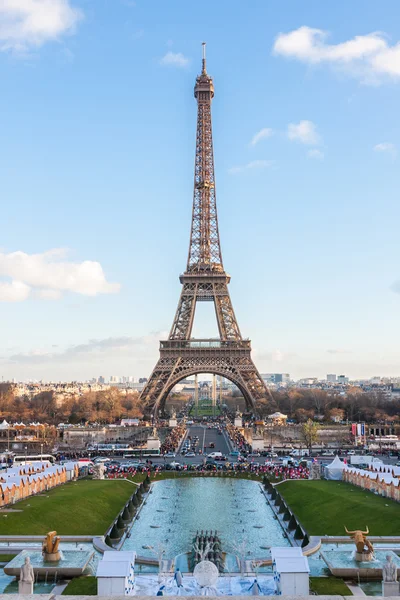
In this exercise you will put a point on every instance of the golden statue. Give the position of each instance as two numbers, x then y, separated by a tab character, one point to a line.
50	545
363	545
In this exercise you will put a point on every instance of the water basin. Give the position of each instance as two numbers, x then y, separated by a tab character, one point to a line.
341	563
71	564
205	504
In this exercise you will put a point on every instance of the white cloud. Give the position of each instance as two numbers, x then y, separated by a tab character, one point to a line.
316	154
174	59
49	294
387	147
261	135
368	57
49	274
253	165
304	132
14	291
26	24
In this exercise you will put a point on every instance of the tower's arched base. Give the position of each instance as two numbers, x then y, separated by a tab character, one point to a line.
182	358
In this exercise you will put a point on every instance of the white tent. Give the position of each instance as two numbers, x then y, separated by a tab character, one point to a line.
4	425
335	469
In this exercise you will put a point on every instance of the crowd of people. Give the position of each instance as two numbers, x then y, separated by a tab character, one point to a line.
287	472
273	472
237	439
173	440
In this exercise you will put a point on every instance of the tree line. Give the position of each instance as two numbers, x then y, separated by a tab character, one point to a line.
108	406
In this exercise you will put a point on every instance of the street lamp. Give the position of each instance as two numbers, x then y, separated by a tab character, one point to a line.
41	452
26	448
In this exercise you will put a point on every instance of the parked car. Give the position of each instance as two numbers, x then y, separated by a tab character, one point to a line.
190	454
170	455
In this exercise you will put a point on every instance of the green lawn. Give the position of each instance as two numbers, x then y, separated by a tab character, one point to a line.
83	508
329	586
325	507
204	409
81	586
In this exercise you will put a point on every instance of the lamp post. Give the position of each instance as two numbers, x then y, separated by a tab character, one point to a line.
26	448
41	452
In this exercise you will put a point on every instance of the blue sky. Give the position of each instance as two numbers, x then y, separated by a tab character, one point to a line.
96	169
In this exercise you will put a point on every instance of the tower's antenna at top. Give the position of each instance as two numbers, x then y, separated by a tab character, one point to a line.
203	70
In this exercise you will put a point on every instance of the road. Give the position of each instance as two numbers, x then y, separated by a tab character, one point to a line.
221	444
206	437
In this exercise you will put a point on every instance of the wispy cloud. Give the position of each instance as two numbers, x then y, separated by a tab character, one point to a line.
27	24
367	57
261	135
386	147
253	166
174	59
91	351
48	275
304	132
274	355
316	154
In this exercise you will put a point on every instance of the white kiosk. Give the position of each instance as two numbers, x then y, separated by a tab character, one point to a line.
116	574
291	572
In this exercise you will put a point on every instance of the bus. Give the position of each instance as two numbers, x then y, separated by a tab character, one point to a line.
142	453
23	459
110	447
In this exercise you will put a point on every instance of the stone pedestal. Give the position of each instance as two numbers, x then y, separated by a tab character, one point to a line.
238	422
173	422
51	556
257	442
390	588
363	556
25	587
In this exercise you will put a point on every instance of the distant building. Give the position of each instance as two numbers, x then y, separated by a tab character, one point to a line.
308	382
276	378
129	422
343	379
331	378
101	380
114	379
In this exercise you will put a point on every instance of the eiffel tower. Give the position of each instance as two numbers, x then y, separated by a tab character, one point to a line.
204	280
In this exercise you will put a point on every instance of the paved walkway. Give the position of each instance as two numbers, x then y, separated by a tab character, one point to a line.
355	590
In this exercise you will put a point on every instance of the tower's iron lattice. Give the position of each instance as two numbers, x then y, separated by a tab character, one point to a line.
204	280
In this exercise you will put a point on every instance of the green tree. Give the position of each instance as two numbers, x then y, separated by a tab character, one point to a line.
310	433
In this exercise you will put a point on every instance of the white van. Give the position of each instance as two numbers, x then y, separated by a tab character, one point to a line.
214	454
299	453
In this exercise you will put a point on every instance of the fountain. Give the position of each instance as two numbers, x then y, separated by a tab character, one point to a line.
50	561
362	563
50	545
365	550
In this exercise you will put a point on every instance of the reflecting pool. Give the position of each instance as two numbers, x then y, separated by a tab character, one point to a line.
176	509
